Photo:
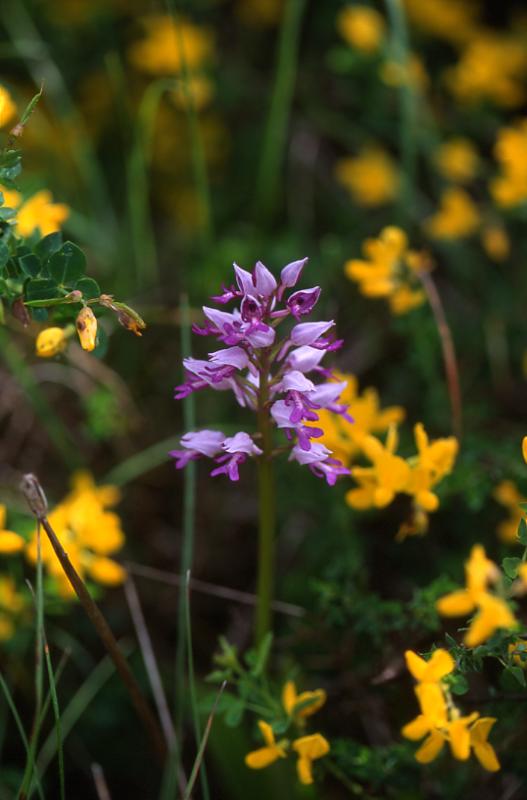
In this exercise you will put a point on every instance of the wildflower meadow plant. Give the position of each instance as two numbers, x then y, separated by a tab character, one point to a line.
268	375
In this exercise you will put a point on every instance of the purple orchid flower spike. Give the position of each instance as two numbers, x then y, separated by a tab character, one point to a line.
278	377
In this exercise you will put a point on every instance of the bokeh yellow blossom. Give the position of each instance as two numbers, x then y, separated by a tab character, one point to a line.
509	187
163	46
362	27
496	242
10	542
342	436
40	212
457	160
389	270
492	611
88	531
8	109
12	606
371	177
455	21
508	495
457	216
491	67
410	73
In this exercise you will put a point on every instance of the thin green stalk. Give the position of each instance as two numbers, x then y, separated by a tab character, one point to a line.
189	515
39	670
197	149
271	163
58	725
266	512
407	110
142	234
21	731
193	697
57	432
201	752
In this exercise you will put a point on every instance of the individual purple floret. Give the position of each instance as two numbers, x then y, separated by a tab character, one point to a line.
267	373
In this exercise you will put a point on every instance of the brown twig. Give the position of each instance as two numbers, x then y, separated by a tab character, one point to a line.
36	500
101	787
213	589
448	349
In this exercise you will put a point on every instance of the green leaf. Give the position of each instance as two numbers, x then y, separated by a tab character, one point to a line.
31	106
40	289
30	265
7	213
4	253
234	714
49	245
90	289
68	265
261	655
459	685
522	531
510	566
518	674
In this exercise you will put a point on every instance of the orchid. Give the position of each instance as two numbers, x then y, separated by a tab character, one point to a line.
268	375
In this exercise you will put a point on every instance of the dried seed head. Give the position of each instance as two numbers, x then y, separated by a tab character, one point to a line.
34	494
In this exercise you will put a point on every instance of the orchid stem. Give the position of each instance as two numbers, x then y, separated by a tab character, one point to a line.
266	513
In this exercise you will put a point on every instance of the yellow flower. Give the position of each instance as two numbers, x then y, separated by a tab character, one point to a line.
493	612
199	87
371	177
495	242
10	542
524	448
379	483
309	748
509	188
40	212
452	20
456	217
89	533
264	756
437	667
8	109
342	437
433	461
12	606
440	720
507	494
86	324
457	160
12	198
484	751
361	27
300	706
50	342
388	270
491	67
159	51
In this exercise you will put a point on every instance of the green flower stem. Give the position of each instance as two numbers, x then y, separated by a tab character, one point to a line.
267	511
270	168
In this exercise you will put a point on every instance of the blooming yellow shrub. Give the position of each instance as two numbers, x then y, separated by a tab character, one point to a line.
457	160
